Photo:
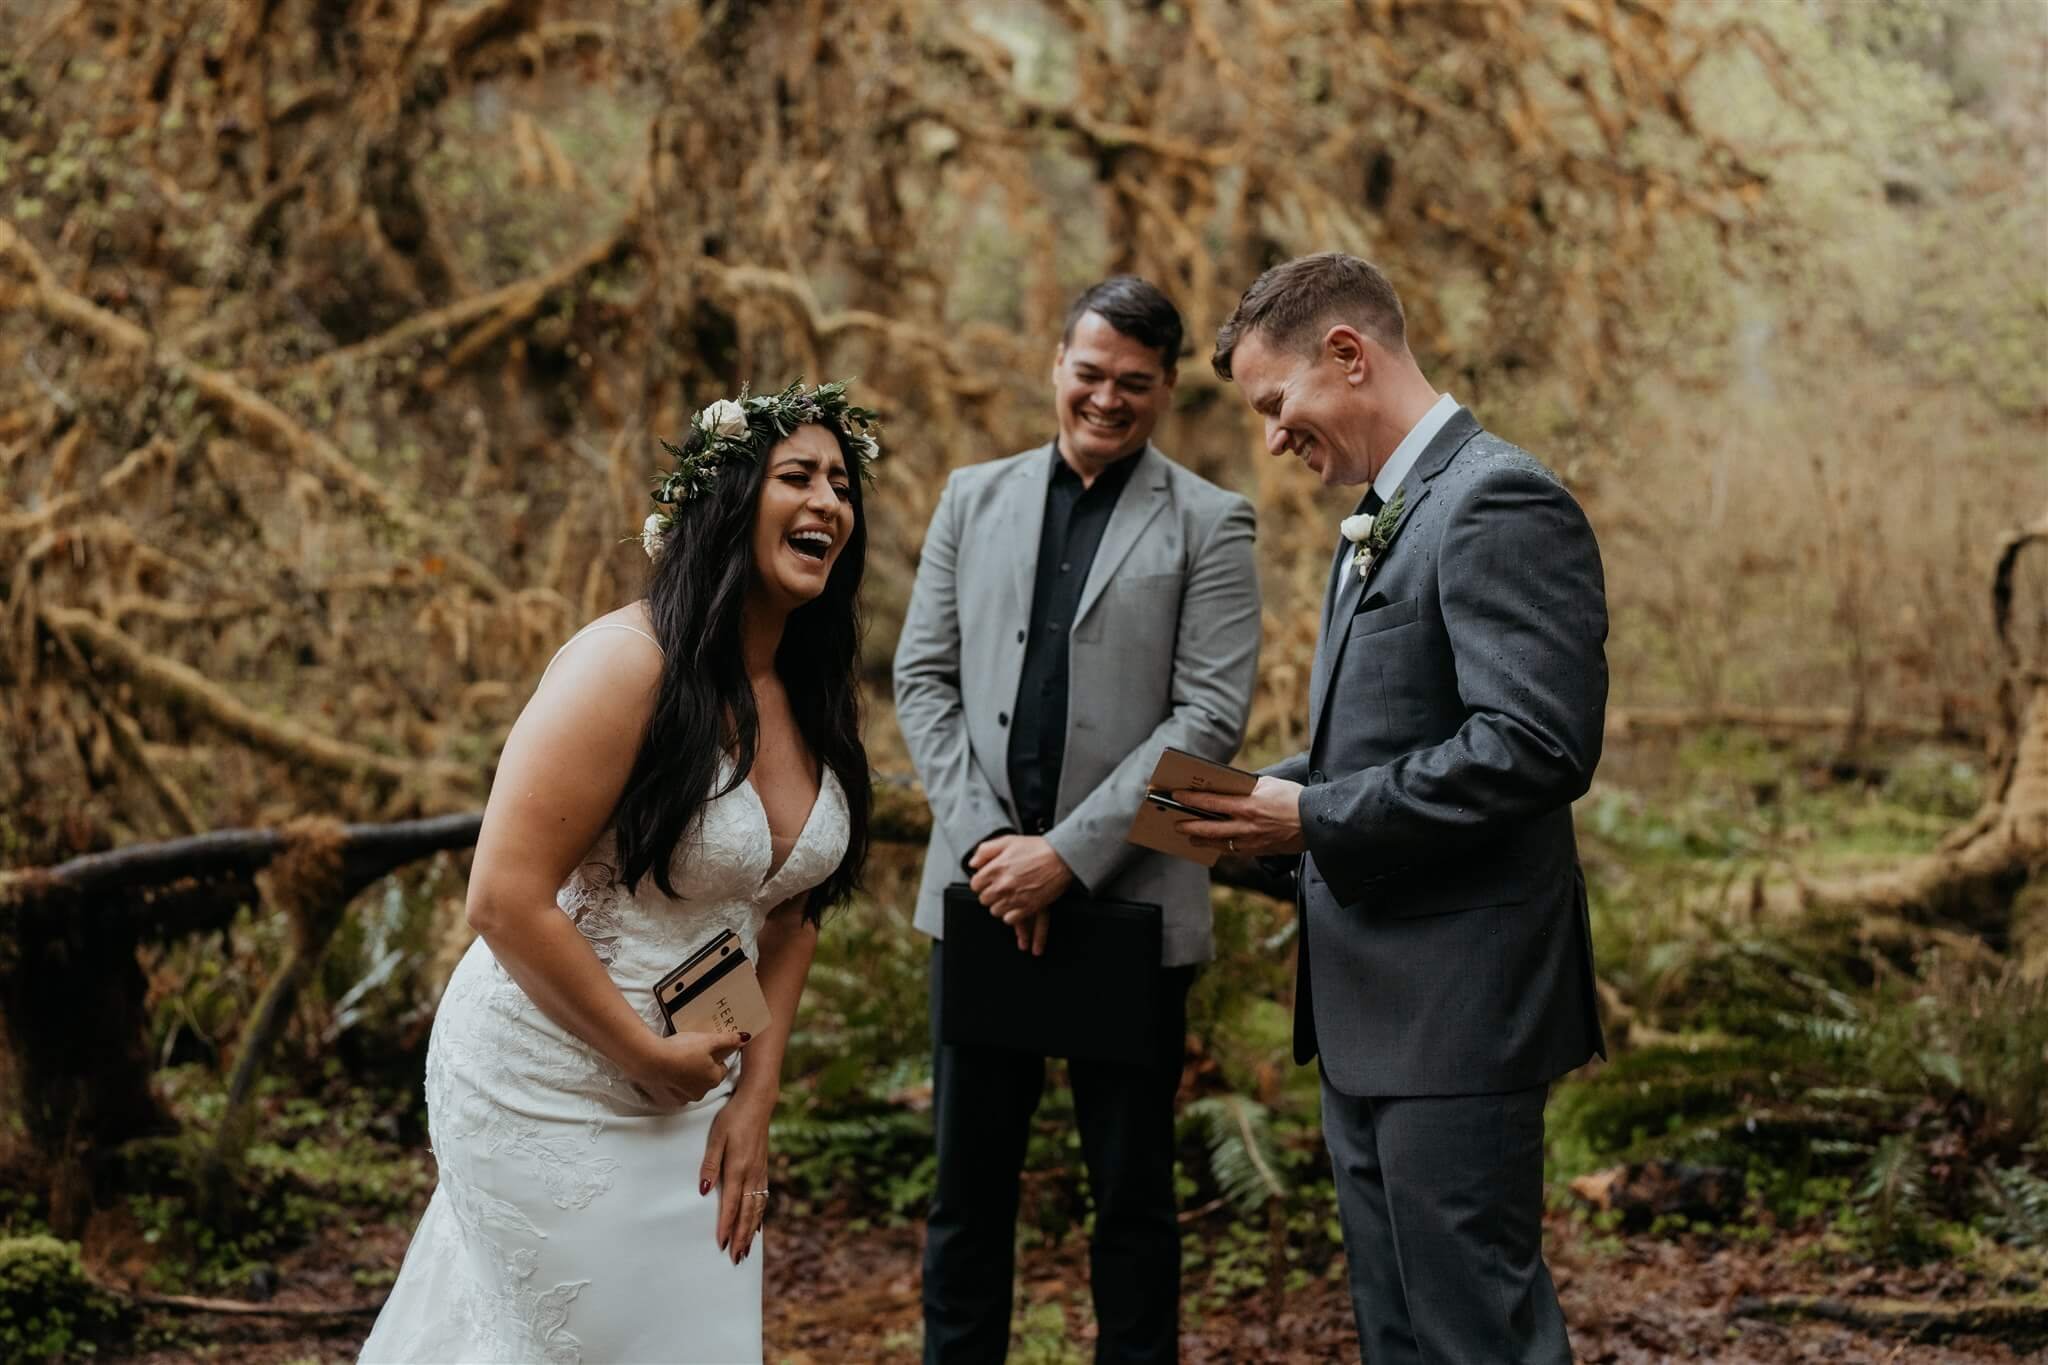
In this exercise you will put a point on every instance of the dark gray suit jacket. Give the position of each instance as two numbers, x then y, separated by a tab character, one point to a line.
1456	709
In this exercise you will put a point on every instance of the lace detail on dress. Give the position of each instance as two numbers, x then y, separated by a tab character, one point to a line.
590	898
557	1161
510	1319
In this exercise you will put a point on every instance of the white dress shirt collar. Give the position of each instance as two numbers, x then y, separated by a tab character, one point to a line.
1412	445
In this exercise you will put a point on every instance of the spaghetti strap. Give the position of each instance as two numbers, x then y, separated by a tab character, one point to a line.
601	625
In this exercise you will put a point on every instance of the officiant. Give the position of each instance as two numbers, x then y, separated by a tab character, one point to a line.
1078	607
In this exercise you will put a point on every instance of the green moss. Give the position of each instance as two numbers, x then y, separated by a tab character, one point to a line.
48	1309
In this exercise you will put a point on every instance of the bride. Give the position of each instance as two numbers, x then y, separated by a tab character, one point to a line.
689	765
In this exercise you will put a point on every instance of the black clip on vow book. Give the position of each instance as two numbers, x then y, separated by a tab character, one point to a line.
1093	994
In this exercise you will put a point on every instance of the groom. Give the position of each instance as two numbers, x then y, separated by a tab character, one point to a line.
1455	711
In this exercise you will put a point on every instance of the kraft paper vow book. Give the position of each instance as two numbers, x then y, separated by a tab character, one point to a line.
1155	826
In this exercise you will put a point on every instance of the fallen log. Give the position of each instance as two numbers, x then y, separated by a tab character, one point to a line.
2014	1320
1973	878
193	1303
1623	722
72	994
367	852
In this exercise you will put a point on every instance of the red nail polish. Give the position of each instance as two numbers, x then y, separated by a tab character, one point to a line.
746	1037
703	1187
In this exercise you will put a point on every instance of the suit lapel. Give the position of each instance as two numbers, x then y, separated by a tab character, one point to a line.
1348	590
1143	498
1023	521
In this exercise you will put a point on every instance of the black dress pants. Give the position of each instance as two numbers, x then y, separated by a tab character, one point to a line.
983	1099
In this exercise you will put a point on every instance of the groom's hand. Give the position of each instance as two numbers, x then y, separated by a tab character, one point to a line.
1261	824
1017	876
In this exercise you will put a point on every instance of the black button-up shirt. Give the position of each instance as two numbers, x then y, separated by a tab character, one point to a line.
1075	518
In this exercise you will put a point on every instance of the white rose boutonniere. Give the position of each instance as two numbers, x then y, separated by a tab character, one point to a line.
1372	534
723	418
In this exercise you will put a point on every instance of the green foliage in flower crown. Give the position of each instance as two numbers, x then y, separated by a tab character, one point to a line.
747	428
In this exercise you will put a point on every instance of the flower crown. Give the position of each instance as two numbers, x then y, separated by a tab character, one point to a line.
747	428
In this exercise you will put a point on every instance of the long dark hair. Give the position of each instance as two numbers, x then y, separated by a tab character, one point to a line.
704	706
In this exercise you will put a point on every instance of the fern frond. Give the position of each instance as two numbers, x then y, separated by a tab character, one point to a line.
2019	1201
1825	1029
1894	1187
1240	1150
854	1131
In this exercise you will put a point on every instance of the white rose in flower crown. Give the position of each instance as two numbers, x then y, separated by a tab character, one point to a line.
652	532
868	448
724	418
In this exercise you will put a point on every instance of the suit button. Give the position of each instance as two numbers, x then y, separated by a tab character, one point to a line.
1020	637
1317	778
1002	717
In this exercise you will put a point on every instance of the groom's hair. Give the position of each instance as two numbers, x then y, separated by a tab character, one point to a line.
1295	302
1134	307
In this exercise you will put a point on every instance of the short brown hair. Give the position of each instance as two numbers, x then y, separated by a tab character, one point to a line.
1295	302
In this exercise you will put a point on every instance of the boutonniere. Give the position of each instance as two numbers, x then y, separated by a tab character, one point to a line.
1371	534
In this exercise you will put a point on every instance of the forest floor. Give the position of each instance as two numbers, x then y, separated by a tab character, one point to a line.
842	1290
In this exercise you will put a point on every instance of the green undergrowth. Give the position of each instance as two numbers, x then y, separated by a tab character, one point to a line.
317	1167
49	1310
1879	1083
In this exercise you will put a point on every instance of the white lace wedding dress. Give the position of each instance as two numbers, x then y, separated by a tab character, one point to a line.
567	1225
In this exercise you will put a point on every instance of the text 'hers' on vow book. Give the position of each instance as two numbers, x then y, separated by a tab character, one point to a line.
715	991
1156	825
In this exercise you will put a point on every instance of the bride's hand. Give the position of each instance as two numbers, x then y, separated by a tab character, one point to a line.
736	1161
684	1067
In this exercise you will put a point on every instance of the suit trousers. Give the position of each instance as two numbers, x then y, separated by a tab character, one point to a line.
982	1100
1441	1199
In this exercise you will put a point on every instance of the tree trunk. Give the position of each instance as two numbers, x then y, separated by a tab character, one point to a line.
72	996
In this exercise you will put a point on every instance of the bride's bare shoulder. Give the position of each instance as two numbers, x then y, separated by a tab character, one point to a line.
618	648
634	615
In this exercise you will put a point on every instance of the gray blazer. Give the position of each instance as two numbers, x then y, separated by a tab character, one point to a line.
1455	713
1163	651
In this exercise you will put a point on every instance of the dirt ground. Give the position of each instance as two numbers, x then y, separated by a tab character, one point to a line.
840	1292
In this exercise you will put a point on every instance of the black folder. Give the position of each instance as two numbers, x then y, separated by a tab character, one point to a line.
1094	993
